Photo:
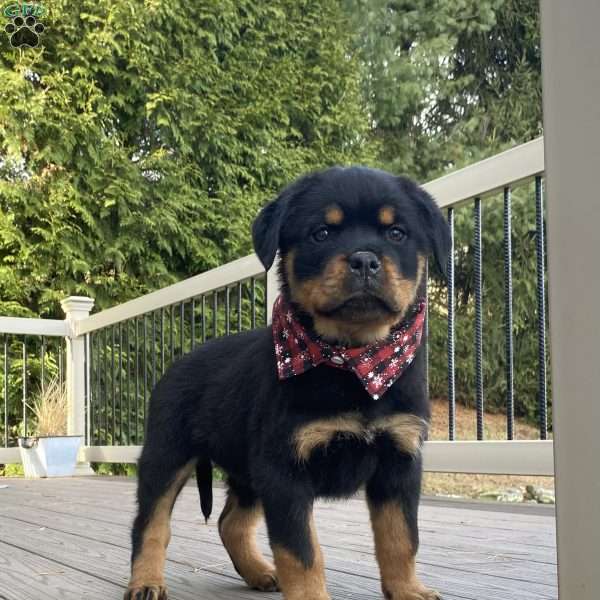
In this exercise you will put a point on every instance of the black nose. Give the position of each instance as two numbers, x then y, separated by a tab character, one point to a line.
364	264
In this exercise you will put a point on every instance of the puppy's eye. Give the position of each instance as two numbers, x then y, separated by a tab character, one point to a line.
396	234
321	234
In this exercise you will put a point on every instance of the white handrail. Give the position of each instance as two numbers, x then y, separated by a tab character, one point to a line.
490	175
25	326
215	279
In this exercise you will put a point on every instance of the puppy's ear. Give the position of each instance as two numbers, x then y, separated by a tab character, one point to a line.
435	225
266	229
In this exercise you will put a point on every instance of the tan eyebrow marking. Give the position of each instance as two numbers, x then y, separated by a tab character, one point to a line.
334	215
386	215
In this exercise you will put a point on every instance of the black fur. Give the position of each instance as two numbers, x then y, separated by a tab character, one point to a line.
223	403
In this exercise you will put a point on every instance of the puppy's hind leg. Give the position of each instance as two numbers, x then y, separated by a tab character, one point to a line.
160	480
237	528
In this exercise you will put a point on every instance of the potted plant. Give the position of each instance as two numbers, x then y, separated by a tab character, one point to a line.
50	452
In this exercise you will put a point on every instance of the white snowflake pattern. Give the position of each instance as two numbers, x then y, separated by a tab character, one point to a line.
397	349
377	380
394	361
370	374
278	349
375	396
288	360
285	334
289	316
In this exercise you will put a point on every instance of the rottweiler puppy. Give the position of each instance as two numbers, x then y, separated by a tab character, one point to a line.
329	399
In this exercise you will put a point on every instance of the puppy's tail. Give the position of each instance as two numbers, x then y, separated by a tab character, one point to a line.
204	483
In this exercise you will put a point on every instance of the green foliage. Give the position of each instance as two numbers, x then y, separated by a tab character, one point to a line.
139	141
12	470
448	81
122	469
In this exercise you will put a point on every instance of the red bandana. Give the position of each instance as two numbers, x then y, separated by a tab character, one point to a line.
377	365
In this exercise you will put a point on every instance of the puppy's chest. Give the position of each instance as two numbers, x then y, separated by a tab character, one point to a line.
352	430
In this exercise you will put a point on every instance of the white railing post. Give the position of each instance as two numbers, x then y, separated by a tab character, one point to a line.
571	87
75	309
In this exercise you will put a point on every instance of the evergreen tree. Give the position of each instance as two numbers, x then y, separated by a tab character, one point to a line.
140	138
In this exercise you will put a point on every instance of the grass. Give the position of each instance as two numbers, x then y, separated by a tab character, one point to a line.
471	486
50	410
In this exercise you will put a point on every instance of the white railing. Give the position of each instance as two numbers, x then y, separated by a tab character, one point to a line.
479	180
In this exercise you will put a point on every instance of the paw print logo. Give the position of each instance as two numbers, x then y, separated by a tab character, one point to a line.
24	31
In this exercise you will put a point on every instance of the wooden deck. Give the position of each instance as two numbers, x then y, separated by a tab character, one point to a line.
69	539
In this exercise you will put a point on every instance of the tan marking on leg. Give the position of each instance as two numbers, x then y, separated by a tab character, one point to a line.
237	528
386	215
321	432
148	567
396	554
407	431
334	215
297	582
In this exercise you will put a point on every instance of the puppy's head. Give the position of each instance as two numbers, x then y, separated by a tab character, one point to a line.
353	244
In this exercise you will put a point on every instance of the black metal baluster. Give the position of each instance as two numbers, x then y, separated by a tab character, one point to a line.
239	306
153	349
24	385
182	328
253	301
145	368
541	309
162	341
227	310
43	364
127	342
86	389
508	316
136	408
478	317
172	333
193	323
451	334
93	387
5	391
120	382
61	375
105	383
112	385
203	319
214	315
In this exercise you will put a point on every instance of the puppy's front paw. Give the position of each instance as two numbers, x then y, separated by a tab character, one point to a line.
264	582
153	592
411	592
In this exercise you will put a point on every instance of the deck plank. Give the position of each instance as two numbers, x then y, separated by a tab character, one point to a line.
78	529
